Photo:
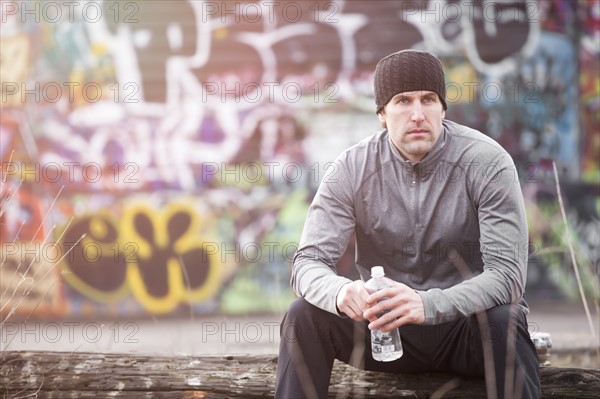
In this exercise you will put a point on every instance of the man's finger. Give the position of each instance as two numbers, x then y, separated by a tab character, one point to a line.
350	309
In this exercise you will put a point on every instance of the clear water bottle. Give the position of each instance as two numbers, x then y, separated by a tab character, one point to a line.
386	346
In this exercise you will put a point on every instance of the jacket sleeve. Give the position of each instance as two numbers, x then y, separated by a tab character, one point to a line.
327	231
503	241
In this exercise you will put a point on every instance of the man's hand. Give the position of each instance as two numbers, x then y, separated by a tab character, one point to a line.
403	304
351	300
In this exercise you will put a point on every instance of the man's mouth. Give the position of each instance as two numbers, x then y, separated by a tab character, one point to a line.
418	131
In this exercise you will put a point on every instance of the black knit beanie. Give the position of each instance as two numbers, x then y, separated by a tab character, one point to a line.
408	70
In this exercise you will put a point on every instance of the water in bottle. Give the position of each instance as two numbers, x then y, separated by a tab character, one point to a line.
386	346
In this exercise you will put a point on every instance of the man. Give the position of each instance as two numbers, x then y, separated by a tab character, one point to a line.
439	206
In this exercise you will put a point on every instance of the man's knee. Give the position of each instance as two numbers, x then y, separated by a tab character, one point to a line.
300	310
303	314
499	320
506	315
305	322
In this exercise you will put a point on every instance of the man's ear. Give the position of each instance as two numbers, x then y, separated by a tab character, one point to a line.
381	116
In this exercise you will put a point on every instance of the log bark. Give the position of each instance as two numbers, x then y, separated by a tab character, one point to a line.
95	375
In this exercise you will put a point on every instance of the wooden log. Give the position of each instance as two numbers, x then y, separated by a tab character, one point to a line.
96	375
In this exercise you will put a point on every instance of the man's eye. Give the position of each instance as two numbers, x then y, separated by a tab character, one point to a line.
428	99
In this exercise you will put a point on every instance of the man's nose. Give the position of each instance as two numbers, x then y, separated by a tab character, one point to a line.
417	112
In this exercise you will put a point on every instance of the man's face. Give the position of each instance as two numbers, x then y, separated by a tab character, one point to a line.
414	122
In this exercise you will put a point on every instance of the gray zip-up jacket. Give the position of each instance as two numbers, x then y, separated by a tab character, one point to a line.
452	226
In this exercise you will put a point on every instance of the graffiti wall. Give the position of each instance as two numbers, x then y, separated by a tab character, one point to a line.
160	156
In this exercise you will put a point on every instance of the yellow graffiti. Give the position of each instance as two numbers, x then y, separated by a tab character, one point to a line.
145	242
96	239
178	290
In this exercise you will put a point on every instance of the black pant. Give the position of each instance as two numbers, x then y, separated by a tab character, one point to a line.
312	338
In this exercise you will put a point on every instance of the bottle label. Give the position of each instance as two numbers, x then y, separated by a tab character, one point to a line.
387	348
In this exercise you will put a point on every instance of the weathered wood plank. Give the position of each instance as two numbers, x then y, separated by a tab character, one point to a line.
94	375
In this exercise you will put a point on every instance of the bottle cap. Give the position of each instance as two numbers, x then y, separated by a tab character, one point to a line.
377	271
